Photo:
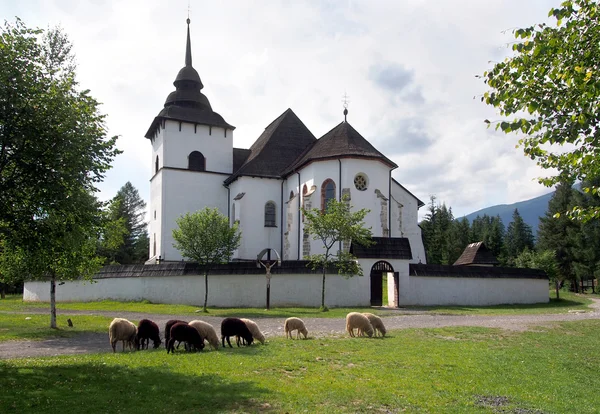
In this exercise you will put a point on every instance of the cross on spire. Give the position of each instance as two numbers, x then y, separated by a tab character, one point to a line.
345	102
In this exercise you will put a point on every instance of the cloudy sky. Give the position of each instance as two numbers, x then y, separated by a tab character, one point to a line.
408	67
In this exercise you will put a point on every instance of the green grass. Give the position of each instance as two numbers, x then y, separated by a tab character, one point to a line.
36	326
451	370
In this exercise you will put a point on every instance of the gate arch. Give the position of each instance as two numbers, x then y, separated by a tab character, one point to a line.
377	271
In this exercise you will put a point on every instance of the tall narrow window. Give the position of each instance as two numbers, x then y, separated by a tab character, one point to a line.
196	161
156	165
270	214
154	245
327	193
233	214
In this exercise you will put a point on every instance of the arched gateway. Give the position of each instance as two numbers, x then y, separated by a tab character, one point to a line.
377	271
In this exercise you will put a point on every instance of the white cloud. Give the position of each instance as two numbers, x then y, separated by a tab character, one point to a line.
409	68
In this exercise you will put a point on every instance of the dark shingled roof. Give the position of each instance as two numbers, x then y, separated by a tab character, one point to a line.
428	270
240	155
341	141
384	248
186	103
277	147
189	268
476	254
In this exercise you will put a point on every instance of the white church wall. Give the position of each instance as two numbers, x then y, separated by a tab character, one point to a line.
187	192
156	214
210	141
405	221
224	290
466	291
251	212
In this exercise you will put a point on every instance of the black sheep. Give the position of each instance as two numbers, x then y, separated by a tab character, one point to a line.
147	330
235	327
168	326
182	332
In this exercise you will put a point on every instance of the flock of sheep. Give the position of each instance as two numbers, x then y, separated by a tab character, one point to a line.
194	333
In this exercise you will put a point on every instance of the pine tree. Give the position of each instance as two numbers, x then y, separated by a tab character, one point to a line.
519	237
458	239
130	206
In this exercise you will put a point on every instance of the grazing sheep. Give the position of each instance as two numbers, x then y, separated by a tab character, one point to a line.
168	326
235	327
294	324
206	331
122	330
253	328
376	323
355	320
146	331
182	332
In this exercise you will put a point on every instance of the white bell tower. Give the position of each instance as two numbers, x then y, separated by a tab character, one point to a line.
192	154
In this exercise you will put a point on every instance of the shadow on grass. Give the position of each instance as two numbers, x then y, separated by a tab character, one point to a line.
553	303
96	387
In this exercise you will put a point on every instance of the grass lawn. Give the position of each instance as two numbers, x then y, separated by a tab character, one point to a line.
450	370
35	326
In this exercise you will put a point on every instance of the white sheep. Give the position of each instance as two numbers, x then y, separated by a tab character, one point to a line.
253	328
294	324
355	320
376	323
122	330
206	331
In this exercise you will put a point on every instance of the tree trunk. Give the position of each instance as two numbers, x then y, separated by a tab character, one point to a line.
323	291
557	284
205	291
53	301
2	291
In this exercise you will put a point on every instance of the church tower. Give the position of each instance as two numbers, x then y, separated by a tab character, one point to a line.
192	154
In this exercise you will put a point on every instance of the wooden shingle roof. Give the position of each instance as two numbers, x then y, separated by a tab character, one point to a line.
477	254
282	142
342	141
384	248
429	270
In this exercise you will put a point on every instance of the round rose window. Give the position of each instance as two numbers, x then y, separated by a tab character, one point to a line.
360	182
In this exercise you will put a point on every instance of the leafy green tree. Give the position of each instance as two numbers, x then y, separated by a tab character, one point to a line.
206	238
544	260
52	135
519	237
336	224
549	91
113	233
557	232
129	206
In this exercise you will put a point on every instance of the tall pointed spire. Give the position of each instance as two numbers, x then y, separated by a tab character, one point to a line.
188	46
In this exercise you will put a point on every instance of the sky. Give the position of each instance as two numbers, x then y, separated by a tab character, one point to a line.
408	68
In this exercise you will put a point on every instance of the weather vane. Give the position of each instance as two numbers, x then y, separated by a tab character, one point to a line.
346	102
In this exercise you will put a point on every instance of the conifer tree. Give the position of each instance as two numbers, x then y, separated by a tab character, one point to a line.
519	237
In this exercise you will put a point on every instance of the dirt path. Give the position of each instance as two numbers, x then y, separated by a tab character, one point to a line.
272	327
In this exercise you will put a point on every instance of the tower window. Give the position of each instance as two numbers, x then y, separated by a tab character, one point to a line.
156	165
196	161
270	214
327	193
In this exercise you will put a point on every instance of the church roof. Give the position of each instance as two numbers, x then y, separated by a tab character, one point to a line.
341	142
276	148
187	103
476	254
384	248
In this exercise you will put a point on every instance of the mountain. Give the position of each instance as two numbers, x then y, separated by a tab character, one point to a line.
531	210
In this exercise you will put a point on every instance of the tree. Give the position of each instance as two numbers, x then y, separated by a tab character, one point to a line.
206	238
544	260
519	237
585	239
53	151
334	225
458	239
549	91
113	232
129	206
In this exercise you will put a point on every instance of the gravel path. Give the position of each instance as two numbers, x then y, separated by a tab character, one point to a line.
271	327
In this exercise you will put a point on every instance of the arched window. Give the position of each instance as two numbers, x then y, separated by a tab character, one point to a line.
196	161
304	191
270	214
156	165
327	193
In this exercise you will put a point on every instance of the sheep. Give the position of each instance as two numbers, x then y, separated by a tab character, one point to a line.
376	323
182	332
206	331
296	324
168	326
122	330
253	328
235	327
355	320
147	330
